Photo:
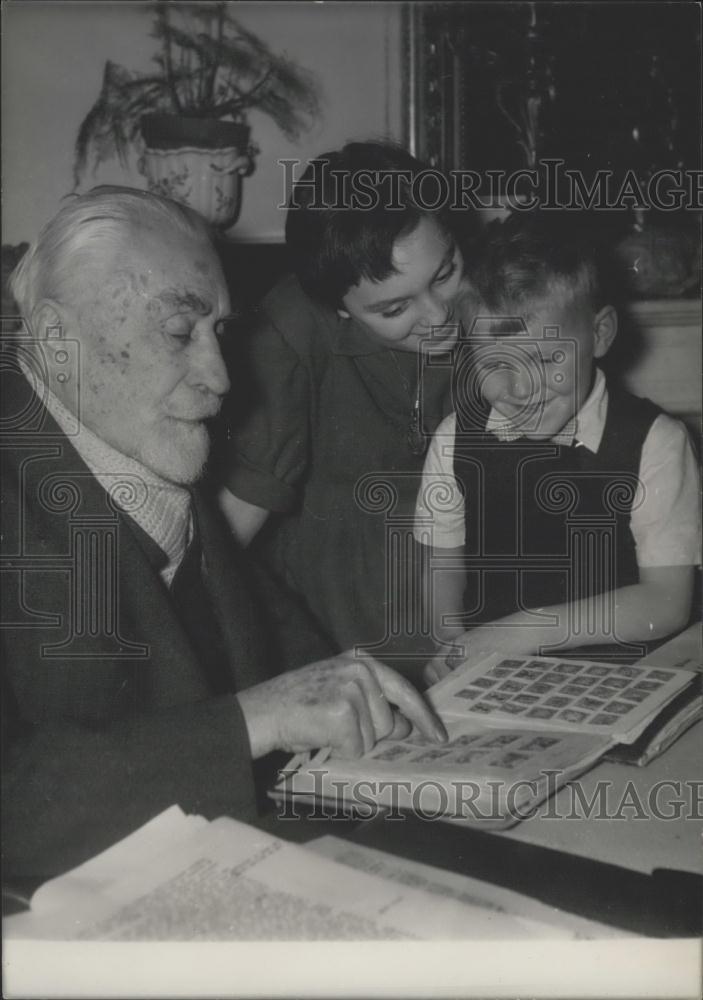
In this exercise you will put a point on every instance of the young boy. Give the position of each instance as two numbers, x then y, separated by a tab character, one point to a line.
568	511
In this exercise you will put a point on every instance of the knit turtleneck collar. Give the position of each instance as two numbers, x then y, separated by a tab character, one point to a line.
162	509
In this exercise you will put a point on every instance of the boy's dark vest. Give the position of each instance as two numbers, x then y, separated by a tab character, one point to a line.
548	524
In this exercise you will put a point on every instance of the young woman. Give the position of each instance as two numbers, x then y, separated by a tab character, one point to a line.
351	360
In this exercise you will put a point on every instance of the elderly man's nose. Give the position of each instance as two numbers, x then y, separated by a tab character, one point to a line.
219	382
210	371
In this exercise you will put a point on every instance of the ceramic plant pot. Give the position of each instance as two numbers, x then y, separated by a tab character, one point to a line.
197	161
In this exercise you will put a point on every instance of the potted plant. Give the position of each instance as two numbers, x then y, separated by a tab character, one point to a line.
189	117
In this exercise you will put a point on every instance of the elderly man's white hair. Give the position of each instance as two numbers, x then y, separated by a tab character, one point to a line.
104	218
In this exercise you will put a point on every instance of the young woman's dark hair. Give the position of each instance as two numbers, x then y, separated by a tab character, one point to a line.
347	211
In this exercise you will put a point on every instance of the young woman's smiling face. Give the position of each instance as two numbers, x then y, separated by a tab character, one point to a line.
411	309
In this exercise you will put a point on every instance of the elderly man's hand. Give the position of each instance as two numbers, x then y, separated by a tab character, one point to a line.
347	703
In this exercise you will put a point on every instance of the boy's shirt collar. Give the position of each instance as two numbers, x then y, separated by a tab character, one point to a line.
585	428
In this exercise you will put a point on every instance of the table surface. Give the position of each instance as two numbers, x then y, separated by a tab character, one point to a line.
636	822
641	874
629	825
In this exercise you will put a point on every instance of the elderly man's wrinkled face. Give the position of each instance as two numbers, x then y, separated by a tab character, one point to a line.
152	371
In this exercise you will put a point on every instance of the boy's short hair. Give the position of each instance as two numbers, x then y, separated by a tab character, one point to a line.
333	240
534	256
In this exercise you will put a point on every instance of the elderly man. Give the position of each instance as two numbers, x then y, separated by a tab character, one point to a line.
133	674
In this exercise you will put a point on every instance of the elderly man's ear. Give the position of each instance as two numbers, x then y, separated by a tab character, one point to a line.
52	323
605	328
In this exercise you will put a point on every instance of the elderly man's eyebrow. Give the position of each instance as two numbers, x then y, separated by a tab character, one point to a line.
185	300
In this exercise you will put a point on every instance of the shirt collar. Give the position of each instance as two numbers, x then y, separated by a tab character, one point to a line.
585	428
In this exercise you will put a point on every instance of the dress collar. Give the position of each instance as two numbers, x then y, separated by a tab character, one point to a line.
350	339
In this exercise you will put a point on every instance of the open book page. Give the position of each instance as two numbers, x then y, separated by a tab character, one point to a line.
496	903
679	715
492	777
519	728
231	882
610	700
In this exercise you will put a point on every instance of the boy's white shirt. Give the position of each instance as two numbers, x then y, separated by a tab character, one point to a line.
665	521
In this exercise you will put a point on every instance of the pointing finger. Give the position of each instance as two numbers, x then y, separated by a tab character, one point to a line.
359	700
401	727
400	692
380	710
